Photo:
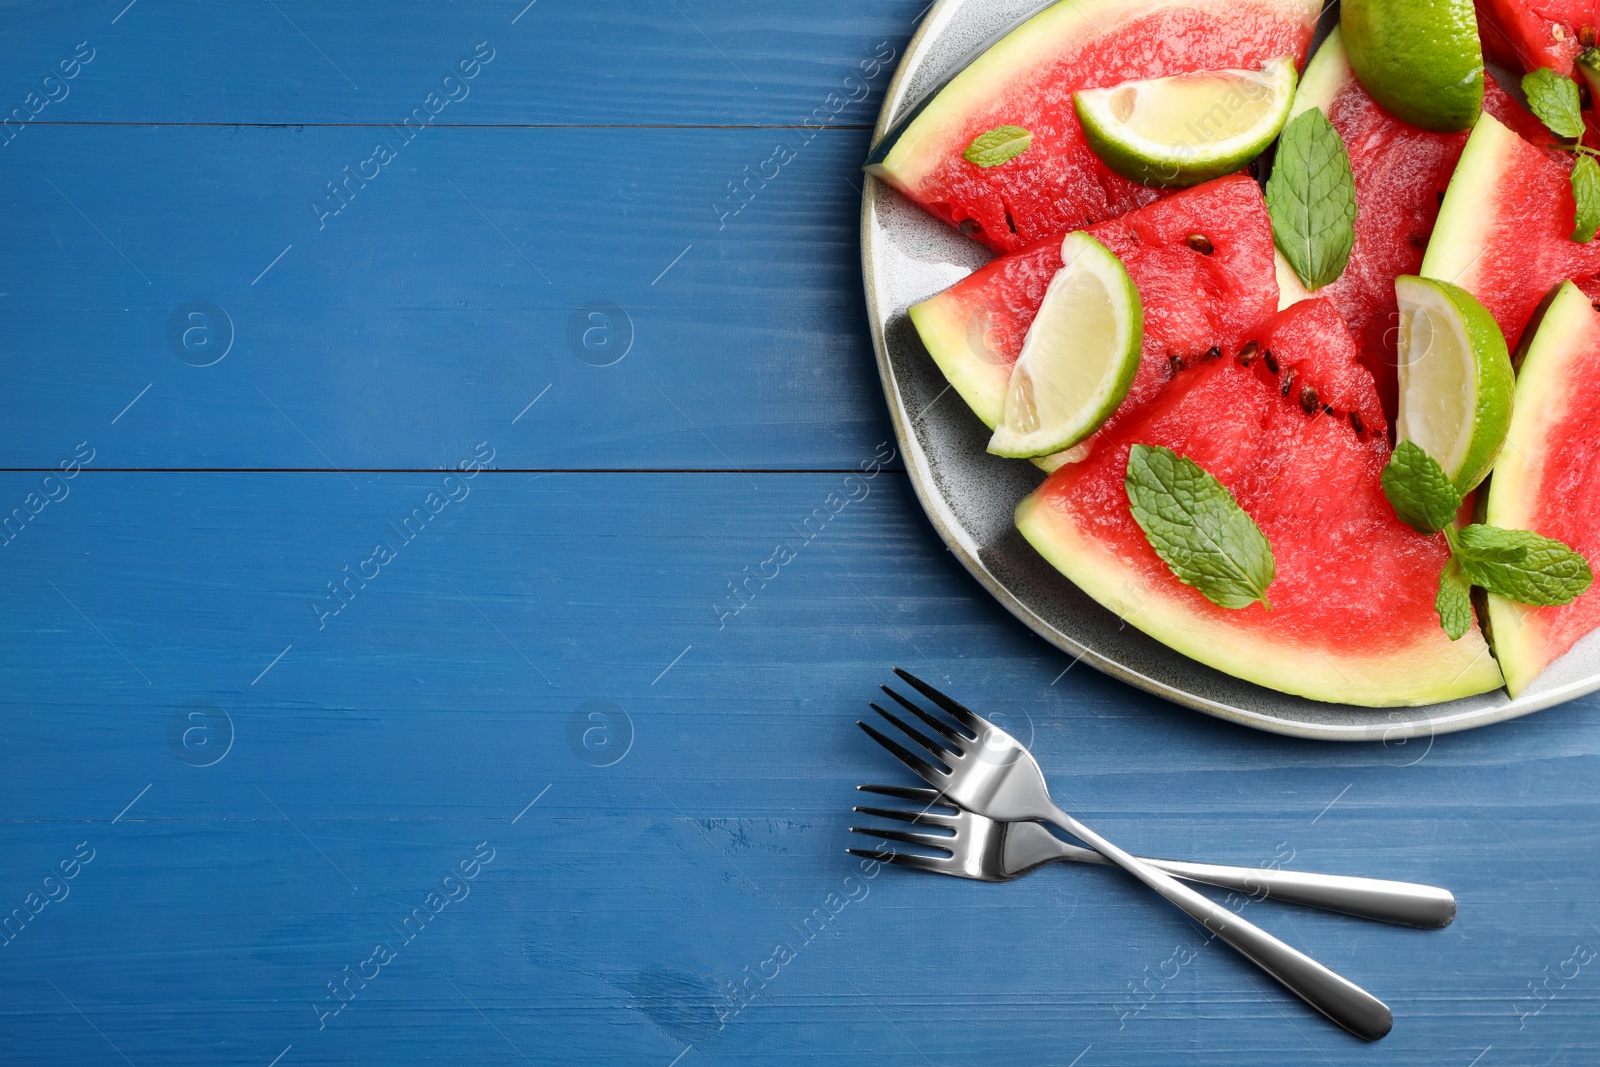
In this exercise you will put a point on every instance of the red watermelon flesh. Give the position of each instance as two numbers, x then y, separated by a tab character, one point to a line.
1028	78
1352	616
1203	263
1310	344
1525	34
1401	173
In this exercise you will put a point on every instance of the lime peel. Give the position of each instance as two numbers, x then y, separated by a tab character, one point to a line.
1455	378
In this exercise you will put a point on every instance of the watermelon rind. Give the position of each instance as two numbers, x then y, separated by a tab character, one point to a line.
1461	235
1406	675
1327	72
956	344
910	151
1543	395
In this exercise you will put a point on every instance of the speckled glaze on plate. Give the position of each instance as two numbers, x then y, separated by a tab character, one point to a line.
969	495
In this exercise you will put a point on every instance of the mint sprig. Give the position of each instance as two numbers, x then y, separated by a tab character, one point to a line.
1311	197
1419	490
997	146
1517	564
1520	565
1198	528
1554	99
1454	601
1586	195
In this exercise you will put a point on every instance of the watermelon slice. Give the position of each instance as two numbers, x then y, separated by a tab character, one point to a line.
1027	79
1547	480
1202	260
1352	616
1504	231
1401	173
1524	34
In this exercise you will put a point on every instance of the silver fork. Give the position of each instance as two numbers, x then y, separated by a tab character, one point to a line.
990	851
985	770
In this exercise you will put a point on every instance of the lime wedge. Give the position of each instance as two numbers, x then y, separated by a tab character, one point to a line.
1189	128
1420	59
1079	356
1455	378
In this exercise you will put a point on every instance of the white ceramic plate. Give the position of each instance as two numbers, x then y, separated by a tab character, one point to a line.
969	495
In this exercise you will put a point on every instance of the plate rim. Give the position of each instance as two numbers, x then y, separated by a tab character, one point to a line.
944	522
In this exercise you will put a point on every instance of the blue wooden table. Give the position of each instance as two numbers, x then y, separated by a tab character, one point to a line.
407	405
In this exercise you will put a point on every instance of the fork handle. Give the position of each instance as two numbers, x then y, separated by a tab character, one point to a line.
1404	903
1335	996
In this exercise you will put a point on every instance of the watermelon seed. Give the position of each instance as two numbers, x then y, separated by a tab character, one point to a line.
1200	243
1559	32
1586	36
1010	222
1287	382
1272	365
970	227
1419	240
1327	409
1247	354
1175	364
1212	353
1356	424
1308	399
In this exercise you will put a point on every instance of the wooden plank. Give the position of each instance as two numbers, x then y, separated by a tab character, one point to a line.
567	62
446	295
376	752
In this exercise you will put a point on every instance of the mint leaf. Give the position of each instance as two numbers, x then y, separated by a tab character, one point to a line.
1198	529
1419	490
1454	602
1312	199
1554	98
1586	194
1522	566
998	145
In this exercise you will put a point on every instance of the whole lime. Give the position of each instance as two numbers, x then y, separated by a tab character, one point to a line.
1419	59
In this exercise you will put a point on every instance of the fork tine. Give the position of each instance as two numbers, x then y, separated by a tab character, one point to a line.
873	854
944	728
919	766
915	794
927	818
939	751
938	865
920	840
965	715
977	731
